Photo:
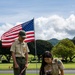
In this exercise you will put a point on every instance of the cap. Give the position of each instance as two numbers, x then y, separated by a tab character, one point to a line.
22	33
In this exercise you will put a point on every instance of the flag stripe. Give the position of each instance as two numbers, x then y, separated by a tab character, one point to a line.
12	32
27	40
13	29
10	37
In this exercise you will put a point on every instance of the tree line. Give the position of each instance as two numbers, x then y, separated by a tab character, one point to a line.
64	49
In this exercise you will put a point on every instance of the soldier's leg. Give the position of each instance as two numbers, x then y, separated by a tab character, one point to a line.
23	66
16	71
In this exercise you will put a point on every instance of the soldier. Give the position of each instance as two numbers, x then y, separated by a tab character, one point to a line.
19	51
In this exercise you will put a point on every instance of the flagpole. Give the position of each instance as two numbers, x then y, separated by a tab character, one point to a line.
35	49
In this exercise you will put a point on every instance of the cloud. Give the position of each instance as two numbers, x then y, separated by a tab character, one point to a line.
54	26
5	27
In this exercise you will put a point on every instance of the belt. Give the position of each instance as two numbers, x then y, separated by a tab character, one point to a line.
20	57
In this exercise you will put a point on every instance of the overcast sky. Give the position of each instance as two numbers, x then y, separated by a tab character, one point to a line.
52	18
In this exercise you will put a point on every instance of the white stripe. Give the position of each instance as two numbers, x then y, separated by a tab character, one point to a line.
6	44
29	35
29	31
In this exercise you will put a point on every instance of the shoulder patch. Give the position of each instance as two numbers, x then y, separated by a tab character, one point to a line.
57	61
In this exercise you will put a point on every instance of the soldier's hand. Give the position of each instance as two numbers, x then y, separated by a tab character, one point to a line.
26	65
16	65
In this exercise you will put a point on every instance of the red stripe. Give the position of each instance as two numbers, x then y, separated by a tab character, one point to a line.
7	34
10	33
13	29
9	38
29	37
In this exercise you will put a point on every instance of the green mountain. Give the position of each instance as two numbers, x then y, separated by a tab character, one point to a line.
53	41
73	38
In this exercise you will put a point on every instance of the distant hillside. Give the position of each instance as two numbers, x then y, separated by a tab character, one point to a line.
73	38
53	41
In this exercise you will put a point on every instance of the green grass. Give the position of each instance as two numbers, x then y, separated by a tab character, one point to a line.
8	66
6	74
13	74
33	74
69	74
35	66
5	66
69	65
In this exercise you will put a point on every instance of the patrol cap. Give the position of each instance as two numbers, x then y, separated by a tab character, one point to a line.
22	33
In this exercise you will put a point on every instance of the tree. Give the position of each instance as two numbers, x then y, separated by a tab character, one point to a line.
5	51
65	48
40	47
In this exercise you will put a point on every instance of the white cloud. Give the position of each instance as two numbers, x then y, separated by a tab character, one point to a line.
5	27
46	28
55	27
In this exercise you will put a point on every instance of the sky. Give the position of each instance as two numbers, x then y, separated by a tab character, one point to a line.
52	18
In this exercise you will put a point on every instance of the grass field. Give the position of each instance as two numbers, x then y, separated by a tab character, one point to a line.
35	65
33	74
8	66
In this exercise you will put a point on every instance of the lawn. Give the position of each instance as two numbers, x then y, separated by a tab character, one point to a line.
8	66
35	66
13	74
33	74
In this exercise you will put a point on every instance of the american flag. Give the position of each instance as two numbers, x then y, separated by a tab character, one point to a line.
9	37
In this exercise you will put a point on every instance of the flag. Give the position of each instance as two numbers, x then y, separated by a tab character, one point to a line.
9	37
